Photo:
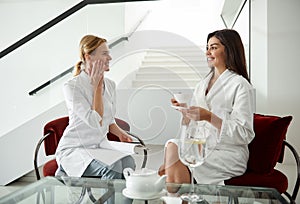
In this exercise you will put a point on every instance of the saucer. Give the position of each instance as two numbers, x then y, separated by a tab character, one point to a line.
131	195
179	107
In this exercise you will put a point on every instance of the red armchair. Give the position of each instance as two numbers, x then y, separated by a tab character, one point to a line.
266	149
53	131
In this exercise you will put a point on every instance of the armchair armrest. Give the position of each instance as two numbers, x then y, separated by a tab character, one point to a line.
37	148
142	143
297	184
36	152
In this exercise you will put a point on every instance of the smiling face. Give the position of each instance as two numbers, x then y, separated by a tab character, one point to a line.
101	53
215	54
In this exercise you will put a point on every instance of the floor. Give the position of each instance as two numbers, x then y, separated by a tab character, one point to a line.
17	184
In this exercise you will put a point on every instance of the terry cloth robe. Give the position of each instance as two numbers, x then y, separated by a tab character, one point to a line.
232	99
84	138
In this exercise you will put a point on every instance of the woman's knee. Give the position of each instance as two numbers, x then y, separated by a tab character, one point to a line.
176	171
171	148
171	154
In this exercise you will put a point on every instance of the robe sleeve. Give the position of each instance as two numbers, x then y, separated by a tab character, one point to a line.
237	125
77	103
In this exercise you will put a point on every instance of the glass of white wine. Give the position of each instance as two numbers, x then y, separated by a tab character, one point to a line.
192	153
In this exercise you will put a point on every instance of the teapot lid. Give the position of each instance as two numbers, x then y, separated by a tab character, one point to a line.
143	171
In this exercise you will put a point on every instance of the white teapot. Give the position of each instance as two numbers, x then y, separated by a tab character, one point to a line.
144	182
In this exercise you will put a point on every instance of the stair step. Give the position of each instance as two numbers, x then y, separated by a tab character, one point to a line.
198	49
166	59
175	66
168	75
185	56
166	83
176	54
171	63
173	69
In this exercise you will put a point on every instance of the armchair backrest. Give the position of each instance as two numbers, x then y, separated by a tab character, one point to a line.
267	147
56	129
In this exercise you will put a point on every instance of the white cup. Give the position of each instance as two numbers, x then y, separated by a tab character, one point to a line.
183	97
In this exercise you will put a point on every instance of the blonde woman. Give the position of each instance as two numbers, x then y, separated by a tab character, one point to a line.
91	103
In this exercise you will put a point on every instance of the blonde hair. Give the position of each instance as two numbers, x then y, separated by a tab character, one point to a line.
87	45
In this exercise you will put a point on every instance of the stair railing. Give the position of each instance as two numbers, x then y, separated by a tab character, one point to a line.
56	20
125	37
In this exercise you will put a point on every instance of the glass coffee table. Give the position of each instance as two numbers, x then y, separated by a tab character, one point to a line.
93	190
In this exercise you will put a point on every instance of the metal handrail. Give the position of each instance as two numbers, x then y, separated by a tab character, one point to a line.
70	70
56	20
43	28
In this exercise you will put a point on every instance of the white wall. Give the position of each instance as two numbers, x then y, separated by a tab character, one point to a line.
149	113
193	19
17	146
283	52
275	42
259	53
275	71
23	17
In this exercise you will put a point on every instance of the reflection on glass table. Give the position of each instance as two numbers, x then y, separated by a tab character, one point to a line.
74	190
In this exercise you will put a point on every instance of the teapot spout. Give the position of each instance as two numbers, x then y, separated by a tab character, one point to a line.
160	183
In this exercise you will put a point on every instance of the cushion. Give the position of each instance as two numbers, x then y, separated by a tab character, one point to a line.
56	129
266	147
49	168
276	180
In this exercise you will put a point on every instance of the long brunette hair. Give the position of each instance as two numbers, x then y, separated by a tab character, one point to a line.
234	50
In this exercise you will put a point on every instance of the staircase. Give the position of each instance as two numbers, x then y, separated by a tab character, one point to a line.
177	67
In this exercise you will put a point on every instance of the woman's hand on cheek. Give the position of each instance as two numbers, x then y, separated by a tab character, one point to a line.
96	72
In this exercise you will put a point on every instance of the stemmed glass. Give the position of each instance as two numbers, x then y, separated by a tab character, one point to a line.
192	153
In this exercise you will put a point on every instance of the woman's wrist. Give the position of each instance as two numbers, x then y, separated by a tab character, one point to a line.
215	121
209	116
185	121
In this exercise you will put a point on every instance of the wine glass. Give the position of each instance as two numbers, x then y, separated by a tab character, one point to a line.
192	153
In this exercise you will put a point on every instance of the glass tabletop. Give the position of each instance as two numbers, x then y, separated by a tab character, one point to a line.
93	190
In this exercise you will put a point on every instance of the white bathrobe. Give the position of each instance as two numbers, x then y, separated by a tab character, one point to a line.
83	138
232	99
